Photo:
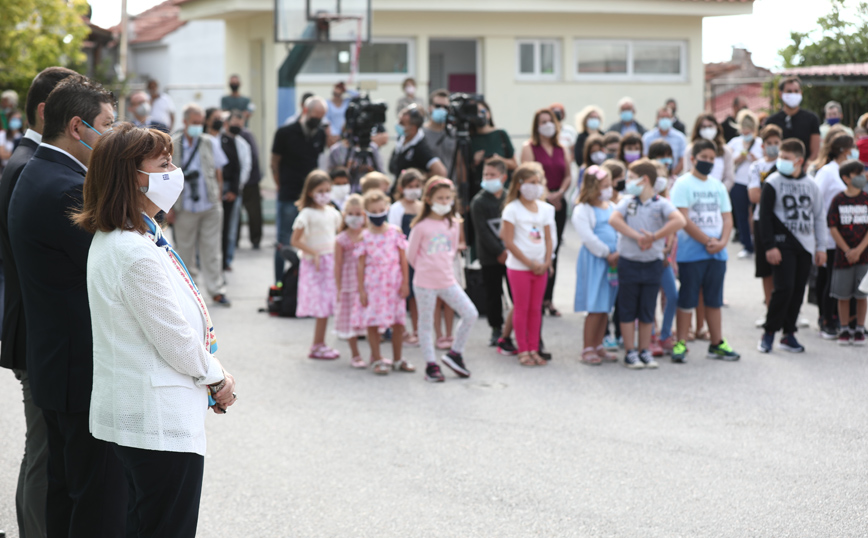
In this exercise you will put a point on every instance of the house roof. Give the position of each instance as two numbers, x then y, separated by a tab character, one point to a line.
843	70
156	23
752	94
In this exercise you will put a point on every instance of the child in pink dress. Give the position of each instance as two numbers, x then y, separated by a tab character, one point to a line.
313	234
434	242
383	283
346	276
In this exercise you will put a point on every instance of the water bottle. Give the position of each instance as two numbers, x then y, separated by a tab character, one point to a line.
612	276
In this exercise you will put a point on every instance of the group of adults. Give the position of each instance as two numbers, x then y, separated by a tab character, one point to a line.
106	331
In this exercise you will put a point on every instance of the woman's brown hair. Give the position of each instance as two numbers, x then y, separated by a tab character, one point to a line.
431	186
534	130
311	182
630	139
592	140
523	173
719	140
112	197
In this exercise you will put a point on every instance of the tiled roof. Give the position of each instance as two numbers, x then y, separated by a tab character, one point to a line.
156	23
844	70
752	94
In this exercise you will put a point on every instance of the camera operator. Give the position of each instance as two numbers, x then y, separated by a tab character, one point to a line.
412	150
439	139
358	151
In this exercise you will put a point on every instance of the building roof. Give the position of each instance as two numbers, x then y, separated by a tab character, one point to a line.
156	23
839	70
752	94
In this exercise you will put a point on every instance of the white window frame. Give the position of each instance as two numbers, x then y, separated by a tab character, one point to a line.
537	64
396	78
630	75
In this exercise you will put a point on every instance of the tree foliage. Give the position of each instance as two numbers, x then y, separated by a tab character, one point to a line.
838	39
39	34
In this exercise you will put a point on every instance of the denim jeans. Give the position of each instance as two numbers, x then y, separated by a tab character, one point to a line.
671	292
286	213
232	231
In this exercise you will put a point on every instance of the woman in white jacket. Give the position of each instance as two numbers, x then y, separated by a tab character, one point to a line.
595	288
154	372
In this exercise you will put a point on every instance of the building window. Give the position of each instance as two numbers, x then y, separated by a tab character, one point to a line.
631	60
538	59
380	59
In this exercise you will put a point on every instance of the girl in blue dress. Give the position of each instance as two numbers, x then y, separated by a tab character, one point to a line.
595	289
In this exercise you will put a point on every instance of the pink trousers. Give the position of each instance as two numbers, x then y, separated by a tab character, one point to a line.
528	290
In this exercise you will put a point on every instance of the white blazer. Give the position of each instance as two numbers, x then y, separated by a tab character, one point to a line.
150	364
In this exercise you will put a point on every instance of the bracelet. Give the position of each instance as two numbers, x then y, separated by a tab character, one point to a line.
217	387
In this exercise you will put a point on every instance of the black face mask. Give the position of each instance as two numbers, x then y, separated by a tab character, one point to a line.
234	129
216	125
610	155
620	185
704	167
234	87
313	123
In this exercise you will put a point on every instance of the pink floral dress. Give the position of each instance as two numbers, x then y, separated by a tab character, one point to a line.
348	295
383	279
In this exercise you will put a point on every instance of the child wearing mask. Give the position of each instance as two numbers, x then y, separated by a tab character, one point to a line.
384	283
702	255
596	283
771	137
340	186
434	242
794	236
526	231
401	214
644	220
485	209
630	148
313	234
848	223
346	276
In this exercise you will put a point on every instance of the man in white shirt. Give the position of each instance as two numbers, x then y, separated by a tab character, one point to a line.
162	106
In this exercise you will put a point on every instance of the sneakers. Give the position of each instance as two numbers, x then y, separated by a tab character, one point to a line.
221	300
766	343
760	323
722	351
679	351
647	359
859	336
495	337
610	343
745	255
455	362
829	333
631	360
506	347
845	338
655	347
789	343
667	344
433	373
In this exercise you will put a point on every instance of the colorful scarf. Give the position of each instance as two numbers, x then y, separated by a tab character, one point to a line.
155	234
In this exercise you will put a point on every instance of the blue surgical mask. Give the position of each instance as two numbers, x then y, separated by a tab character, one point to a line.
195	131
785	167
747	137
492	185
665	160
92	129
626	116
664	124
438	115
634	187
593	124
854	153
15	124
400	130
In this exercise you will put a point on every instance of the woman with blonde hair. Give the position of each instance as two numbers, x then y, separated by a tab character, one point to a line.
588	122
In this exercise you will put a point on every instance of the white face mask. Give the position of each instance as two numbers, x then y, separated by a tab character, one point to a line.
660	184
164	187
322	198
355	221
792	100
531	191
441	209
708	133
606	194
413	194
547	129
144	109
598	157
410	90
340	192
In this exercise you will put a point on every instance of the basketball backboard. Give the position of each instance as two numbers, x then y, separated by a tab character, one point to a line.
322	21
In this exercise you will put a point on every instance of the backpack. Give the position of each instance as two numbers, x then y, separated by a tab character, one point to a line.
283	296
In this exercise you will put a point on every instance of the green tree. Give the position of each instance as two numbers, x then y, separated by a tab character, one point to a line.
837	40
38	34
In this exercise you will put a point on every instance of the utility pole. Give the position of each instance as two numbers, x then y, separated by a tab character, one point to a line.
122	60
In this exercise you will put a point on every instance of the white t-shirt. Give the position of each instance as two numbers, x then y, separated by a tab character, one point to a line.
757	174
530	236
162	109
742	176
829	180
320	228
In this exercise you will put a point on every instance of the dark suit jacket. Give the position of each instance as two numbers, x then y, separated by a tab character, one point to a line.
51	256
12	346
616	127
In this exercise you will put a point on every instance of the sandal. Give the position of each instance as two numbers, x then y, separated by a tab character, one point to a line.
411	340
323	352
697	335
381	367
554	312
403	366
358	362
605	355
589	356
540	361
525	359
443	343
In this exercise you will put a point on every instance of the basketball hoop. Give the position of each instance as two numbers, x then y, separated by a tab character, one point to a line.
323	24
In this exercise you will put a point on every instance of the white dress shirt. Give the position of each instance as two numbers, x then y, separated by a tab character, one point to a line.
150	364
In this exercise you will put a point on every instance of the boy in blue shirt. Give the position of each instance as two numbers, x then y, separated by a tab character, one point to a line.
702	255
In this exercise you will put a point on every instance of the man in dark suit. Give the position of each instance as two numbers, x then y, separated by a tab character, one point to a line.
33	476
87	490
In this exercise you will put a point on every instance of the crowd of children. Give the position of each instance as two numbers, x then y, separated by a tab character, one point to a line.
369	261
